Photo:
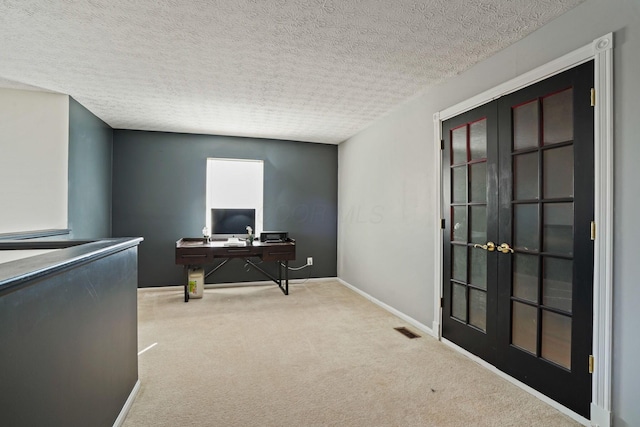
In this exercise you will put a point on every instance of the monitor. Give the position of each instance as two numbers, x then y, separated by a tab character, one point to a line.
232	222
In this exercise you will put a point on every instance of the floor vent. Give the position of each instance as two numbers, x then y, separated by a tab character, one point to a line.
407	333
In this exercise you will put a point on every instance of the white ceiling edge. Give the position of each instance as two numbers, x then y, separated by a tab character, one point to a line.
10	84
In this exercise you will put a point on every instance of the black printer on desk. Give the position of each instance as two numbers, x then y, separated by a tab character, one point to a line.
274	236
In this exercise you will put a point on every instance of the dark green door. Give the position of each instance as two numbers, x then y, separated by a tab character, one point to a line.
471	201
538	296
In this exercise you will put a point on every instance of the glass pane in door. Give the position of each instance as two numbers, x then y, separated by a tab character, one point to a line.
478	309
557	110
459	302
478	268
525	218
459	184
556	338
478	181
459	145
525	126
557	283
557	236
525	181
524	324
525	277
558	172
478	222
459	264
459	222
478	140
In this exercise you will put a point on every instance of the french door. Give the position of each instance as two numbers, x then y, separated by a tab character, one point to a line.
518	256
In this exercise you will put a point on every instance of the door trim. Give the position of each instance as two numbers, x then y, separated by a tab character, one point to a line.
601	52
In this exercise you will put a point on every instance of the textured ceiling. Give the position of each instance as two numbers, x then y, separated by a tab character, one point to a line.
306	70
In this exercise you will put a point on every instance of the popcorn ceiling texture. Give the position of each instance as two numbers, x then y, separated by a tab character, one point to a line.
306	70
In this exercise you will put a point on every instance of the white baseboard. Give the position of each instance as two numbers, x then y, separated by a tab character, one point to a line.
435	327
600	417
568	412
127	405
424	328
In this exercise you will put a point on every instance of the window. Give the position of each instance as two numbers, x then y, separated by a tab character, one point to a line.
235	184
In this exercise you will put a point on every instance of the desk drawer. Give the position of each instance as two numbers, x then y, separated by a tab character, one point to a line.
192	256
279	253
237	252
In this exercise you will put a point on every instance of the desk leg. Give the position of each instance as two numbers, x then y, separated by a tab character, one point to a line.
186	286
286	277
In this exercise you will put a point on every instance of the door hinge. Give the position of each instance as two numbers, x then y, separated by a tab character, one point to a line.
442	224
593	230
442	144
441	302
593	97
591	363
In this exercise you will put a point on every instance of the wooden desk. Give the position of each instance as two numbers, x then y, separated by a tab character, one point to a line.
200	252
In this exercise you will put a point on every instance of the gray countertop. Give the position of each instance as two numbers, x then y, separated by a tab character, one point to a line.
47	257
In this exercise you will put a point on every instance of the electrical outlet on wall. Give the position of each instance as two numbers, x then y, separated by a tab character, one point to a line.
310	260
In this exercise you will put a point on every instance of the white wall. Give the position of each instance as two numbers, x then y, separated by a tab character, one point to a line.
386	221
34	135
389	167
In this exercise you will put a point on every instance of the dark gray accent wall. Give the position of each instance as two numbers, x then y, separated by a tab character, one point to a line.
90	150
159	183
69	337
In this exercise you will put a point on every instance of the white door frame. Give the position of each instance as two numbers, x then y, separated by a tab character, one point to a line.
601	52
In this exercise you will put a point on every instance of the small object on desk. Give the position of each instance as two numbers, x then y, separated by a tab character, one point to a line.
274	236
250	238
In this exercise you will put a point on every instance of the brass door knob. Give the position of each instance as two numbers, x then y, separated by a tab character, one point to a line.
504	248
490	246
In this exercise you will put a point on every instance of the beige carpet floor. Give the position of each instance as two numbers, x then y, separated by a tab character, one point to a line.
322	356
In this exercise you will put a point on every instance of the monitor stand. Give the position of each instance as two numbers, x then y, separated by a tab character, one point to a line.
234	241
